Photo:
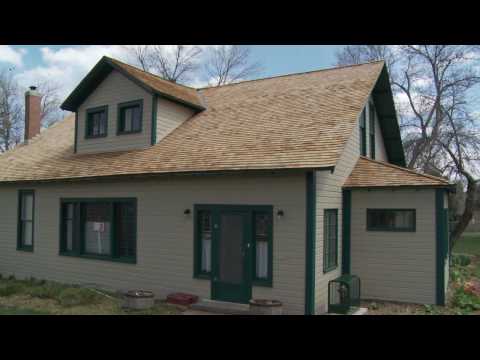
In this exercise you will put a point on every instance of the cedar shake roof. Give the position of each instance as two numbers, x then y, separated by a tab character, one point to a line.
298	121
152	83
369	173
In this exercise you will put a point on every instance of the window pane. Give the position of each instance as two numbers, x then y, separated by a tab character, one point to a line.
262	223
97	229
27	207
330	238
69	235
205	219
27	233
125	228
391	220
127	119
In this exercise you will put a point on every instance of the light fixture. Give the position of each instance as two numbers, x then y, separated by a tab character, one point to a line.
186	212
280	213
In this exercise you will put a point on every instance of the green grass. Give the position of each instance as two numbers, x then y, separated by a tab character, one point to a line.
20	311
469	243
39	297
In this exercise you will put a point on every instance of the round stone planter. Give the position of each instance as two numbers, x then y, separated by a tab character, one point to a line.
139	300
266	307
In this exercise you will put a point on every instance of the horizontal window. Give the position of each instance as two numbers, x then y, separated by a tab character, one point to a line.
391	219
97	122
101	229
130	117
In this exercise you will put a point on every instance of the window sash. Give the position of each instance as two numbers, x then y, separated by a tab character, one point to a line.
330	239
391	220
363	133
117	243
96	123
372	120
26	223
262	248
130	117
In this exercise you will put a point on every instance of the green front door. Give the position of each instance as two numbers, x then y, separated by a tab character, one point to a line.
231	255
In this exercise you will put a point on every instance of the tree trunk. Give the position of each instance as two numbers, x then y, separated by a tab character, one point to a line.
467	212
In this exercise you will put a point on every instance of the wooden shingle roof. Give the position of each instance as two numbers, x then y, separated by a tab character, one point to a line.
298	121
369	173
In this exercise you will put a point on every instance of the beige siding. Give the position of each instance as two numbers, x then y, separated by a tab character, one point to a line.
165	234
169	116
329	196
115	89
396	266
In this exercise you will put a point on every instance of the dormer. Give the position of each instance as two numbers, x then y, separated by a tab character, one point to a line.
119	107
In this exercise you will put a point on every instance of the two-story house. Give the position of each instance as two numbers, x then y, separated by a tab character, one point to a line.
267	188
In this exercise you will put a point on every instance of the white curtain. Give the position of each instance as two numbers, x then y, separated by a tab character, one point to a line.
262	259
206	263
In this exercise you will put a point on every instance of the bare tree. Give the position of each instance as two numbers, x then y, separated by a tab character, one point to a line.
439	129
228	64
50	104
11	111
175	63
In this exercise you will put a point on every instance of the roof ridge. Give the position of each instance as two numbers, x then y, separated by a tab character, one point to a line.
406	169
292	74
150	73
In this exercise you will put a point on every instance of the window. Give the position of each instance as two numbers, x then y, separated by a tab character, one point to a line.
363	134
205	228
371	129
26	211
391	219
130	117
263	248
101	229
330	239
97	122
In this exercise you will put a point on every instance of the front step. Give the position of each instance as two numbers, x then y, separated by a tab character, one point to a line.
221	307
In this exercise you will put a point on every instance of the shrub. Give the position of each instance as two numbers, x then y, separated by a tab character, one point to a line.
461	260
465	301
10	289
49	290
76	296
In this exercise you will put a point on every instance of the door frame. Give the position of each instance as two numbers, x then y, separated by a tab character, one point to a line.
217	210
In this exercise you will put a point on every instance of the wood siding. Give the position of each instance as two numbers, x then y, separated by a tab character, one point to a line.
169	116
397	266
329	196
115	89
165	234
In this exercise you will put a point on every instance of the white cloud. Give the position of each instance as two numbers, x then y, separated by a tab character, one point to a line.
11	55
68	65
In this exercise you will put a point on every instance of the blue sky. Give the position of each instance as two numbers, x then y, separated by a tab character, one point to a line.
68	64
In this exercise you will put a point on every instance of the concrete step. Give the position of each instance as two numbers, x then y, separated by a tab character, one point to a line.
221	307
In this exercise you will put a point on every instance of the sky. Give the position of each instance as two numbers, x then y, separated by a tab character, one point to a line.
68	64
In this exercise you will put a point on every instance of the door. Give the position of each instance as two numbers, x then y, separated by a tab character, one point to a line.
231	277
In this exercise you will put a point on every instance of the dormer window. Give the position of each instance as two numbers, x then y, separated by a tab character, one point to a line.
97	122
130	117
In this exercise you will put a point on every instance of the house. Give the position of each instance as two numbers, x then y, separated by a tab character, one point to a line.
267	188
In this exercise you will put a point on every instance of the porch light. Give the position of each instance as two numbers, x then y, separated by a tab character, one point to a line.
280	214
186	212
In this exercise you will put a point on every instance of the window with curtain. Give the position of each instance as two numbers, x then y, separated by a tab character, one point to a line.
371	129
205	233
97	122
130	117
263	246
104	229
26	219
391	219
363	134
330	239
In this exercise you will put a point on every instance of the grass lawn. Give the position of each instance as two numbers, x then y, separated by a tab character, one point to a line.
468	244
36	297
